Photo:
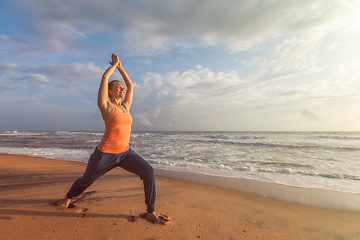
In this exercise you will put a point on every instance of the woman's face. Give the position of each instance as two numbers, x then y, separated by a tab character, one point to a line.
117	91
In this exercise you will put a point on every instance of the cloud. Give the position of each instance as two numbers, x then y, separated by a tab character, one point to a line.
193	84
289	58
65	76
38	78
38	81
4	88
73	72
271	59
59	25
2	37
69	76
162	97
7	68
149	27
201	93
310	115
238	26
35	80
144	61
143	120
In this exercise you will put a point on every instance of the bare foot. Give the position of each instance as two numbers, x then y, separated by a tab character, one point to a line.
153	217
66	202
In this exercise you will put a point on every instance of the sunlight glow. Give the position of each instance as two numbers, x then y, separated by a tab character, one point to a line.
351	19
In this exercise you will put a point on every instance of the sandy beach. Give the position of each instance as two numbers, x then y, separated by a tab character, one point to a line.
109	209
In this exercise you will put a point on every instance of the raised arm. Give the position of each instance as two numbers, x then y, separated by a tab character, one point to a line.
103	101
129	85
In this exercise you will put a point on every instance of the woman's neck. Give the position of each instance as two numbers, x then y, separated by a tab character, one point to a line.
116	101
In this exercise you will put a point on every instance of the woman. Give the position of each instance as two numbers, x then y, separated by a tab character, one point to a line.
113	150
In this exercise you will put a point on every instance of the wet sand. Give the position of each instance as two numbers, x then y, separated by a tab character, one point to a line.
109	209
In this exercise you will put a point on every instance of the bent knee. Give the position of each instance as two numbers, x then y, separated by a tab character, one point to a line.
148	171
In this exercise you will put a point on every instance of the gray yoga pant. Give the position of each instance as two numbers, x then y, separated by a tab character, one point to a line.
100	163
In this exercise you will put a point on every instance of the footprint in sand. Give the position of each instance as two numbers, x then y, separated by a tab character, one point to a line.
131	218
82	212
59	203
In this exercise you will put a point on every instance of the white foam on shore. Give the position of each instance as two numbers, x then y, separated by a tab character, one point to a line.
79	155
316	181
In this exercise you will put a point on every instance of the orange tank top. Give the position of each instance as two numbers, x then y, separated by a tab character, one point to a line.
117	132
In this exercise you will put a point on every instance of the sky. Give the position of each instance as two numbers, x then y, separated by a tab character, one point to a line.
205	65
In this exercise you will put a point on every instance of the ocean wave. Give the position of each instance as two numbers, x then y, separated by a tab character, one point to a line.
340	137
233	137
273	144
16	133
143	135
203	167
72	133
80	155
285	165
312	174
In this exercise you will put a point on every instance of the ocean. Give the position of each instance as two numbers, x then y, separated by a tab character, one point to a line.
318	160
